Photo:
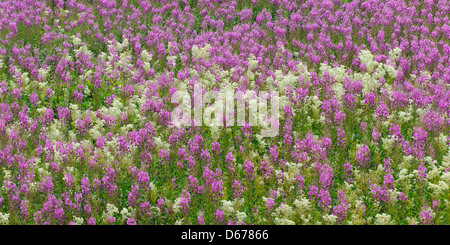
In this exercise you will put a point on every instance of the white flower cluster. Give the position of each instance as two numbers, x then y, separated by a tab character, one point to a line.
285	210
83	49
283	221
126	214
95	131
55	130
201	52
442	142
339	73
176	206
78	220
146	58
4	219
383	219
285	80
228	207
75	113
329	219
375	71
380	69
404	117
161	144
110	211
75	40
25	78
6	174
293	170
339	90
124	60
366	58
446	160
252	62
302	70
412	221
395	54
123	45
241	216
231	208
388	143
439	188
314	103
303	205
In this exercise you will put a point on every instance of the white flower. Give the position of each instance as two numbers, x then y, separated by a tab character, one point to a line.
421	112
315	103
383	219
25	78
6	174
125	42
125	213
43	72
87	91
176	205
75	112
195	51
283	221
159	142
391	71
387	143
227	207
4	219
71	170
153	188
380	169
54	131
241	216
442	142
117	104
412	221
285	210
446	177
329	219
76	41
78	221
434	172
202	52
366	57
395	53
94	132
103	56
339	90
110	210
302	205
438	189
252	63
404	116
146	66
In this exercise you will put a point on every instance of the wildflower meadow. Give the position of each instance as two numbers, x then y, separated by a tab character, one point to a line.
215	112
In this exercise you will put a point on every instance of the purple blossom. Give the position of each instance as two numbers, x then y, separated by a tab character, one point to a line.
220	216
249	168
425	217
363	156
422	173
324	199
